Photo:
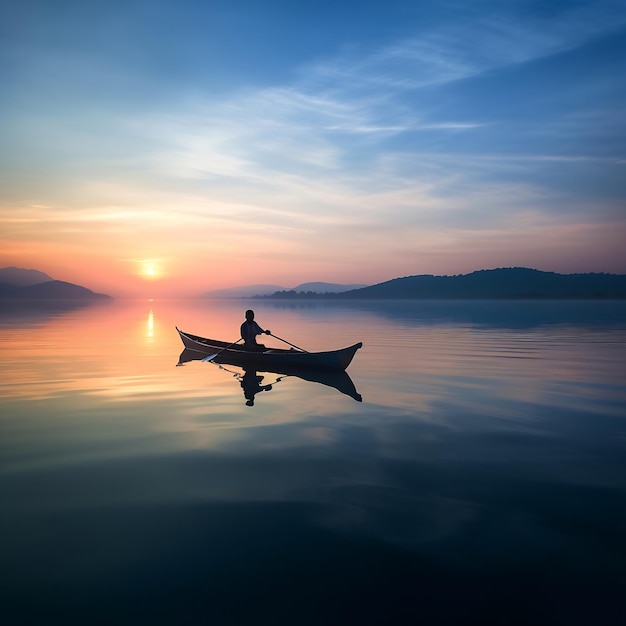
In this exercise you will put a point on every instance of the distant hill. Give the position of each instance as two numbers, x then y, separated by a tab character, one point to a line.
61	289
47	290
22	277
246	291
503	283
251	291
51	290
17	283
325	287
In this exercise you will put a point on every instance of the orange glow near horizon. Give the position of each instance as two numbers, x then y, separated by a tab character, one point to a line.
191	266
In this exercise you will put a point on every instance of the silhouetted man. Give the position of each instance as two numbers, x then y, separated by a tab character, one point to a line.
249	330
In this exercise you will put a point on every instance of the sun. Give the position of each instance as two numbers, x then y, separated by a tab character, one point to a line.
149	270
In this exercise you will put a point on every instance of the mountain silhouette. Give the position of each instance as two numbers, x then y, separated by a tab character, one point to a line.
246	291
514	282
321	287
251	291
502	283
22	277
15	285
51	290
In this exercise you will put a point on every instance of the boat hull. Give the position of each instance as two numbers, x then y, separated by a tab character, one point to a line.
271	357
337	379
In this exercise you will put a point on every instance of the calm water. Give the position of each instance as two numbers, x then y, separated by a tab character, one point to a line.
482	479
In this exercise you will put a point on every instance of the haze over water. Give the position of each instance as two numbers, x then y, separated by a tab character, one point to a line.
482	479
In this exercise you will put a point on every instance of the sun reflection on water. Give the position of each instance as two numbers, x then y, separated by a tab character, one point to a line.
150	333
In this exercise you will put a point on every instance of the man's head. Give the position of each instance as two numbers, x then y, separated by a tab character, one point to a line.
249	315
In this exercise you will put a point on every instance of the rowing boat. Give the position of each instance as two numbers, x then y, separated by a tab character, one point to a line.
337	379
269	357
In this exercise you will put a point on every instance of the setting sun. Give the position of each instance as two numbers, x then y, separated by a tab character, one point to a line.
149	270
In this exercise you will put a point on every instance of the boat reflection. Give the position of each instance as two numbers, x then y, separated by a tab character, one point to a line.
251	381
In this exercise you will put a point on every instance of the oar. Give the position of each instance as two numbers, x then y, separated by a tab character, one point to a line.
287	342
206	359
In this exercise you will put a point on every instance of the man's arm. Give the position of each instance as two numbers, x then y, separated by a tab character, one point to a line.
261	331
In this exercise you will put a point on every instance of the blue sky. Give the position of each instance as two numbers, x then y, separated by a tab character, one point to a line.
344	141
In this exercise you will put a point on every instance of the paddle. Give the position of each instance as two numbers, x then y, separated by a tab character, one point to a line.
209	358
287	342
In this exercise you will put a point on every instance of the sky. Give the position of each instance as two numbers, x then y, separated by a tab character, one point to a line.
158	147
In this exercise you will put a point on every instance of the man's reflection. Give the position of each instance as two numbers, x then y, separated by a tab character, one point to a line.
251	384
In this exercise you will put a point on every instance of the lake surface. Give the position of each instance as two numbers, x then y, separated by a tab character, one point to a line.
481	479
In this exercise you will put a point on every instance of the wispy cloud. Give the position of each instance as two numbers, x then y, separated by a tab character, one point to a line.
477	41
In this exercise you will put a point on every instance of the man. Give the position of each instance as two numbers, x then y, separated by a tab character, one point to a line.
249	330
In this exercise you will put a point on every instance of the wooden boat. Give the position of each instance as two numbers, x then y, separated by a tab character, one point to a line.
337	379
270	357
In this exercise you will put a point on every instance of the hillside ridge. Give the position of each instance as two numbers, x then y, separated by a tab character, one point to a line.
499	283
